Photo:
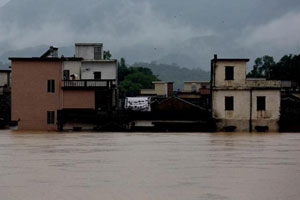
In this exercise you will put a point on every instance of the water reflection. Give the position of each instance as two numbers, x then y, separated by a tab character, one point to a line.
149	166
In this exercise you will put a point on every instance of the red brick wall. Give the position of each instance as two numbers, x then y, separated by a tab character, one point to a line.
30	99
79	99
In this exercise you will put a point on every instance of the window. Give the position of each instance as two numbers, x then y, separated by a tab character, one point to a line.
66	74
229	73
51	86
50	117
194	87
261	103
97	53
229	103
97	75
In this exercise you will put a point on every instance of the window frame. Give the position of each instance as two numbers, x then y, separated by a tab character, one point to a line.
51	86
66	74
99	76
97	53
261	103
229	103
50	117
227	72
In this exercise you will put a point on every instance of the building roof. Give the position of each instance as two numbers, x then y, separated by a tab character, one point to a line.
45	59
88	44
5	70
231	59
196	81
101	61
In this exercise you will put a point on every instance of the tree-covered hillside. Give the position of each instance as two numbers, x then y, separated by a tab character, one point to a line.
175	73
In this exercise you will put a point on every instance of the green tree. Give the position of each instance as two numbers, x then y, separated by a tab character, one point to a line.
106	55
262	67
133	79
288	68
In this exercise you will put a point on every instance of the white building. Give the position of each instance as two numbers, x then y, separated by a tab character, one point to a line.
94	69
239	104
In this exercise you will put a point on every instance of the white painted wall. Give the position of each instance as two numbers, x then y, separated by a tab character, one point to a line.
86	51
73	66
108	69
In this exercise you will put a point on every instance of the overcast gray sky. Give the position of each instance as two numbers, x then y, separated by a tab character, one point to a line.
189	31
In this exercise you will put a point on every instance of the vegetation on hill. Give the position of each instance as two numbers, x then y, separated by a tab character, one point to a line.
287	68
133	79
175	73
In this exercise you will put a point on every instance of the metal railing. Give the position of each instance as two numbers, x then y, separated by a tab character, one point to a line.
88	83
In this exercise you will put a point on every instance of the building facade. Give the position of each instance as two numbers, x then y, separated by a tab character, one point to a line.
239	104
161	88
43	88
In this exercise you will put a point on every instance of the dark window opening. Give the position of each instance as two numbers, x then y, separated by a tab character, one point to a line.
261	103
97	75
66	74
97	53
50	117
229	103
229	73
51	86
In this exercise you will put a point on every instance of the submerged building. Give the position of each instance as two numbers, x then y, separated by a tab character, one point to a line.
241	104
49	89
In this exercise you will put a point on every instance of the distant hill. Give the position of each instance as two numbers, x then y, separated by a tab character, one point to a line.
175	73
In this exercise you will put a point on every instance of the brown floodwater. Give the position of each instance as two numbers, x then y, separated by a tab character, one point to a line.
158	166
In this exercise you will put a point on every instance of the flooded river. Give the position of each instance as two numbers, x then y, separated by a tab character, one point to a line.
156	166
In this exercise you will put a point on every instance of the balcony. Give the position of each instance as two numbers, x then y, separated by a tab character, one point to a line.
88	84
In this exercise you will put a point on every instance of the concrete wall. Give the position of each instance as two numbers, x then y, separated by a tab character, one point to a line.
87	51
241	104
272	105
30	99
108	69
160	88
239	73
79	99
73	66
240	116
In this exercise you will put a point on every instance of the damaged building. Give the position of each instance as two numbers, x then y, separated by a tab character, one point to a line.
241	104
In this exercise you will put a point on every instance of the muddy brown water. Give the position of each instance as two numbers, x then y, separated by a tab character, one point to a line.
158	166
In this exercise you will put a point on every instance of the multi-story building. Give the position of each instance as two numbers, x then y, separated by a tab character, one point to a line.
240	104
45	88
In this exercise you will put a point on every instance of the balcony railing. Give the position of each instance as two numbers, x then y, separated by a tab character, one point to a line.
85	84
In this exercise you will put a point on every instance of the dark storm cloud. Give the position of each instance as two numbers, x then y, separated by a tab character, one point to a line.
155	29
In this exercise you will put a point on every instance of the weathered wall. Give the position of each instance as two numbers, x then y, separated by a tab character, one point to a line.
241	104
240	116
160	88
73	66
272	105
79	99
30	99
86	52
239	73
108	69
